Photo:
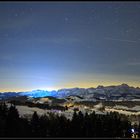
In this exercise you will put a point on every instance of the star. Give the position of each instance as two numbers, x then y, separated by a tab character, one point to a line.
116	20
16	15
129	30
89	47
91	18
66	19
92	11
23	12
138	6
8	19
31	9
116	11
6	35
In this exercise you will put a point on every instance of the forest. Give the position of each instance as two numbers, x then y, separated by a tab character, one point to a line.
112	125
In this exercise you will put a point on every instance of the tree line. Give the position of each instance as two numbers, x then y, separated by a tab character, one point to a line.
81	125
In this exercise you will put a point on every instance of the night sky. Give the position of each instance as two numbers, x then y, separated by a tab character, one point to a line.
52	45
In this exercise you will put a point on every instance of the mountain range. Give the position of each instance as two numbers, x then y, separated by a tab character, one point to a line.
119	92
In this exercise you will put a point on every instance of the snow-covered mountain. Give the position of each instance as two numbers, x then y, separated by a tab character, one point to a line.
39	93
120	92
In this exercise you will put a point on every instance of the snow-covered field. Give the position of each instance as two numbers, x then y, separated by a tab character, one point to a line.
135	108
122	111
26	111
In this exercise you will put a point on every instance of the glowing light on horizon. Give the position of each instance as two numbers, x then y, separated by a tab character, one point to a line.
66	86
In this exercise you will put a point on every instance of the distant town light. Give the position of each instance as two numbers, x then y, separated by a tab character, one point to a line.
132	130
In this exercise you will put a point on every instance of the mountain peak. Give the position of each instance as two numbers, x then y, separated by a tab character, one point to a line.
124	85
100	86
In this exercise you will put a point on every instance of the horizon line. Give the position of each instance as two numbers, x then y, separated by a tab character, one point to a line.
56	89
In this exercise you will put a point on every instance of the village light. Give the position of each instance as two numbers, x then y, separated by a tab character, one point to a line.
132	130
134	133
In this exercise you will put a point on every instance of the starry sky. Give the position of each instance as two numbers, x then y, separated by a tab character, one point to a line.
53	45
